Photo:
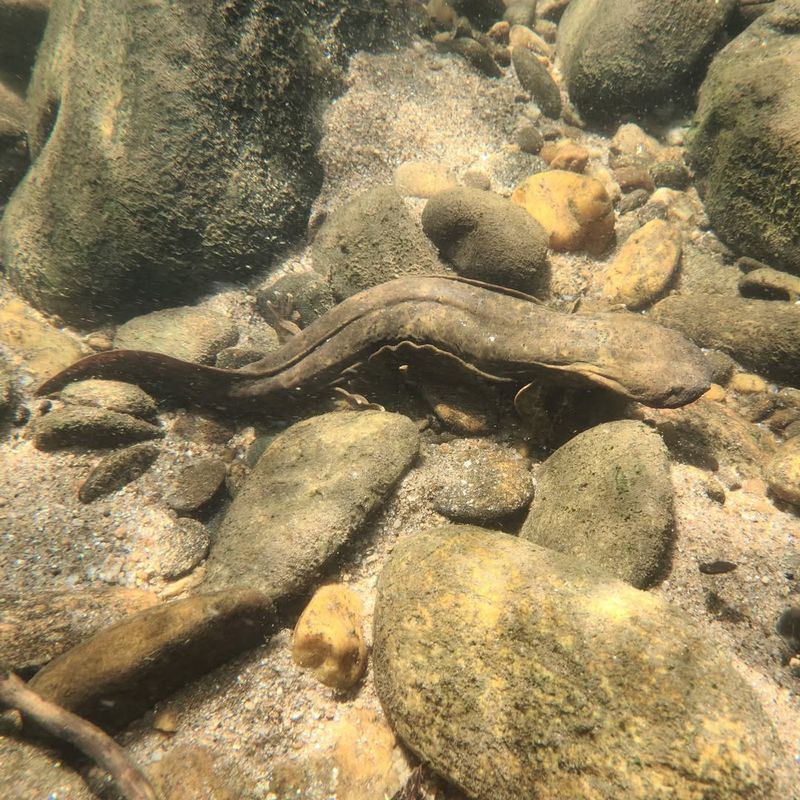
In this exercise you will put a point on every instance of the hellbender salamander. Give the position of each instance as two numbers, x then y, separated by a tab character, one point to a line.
487	330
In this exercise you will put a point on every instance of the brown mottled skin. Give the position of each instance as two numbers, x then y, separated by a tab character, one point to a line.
498	333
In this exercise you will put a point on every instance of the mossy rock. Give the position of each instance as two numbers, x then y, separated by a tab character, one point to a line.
623	56
744	146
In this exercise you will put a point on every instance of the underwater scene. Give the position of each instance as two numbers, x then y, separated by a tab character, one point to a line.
399	400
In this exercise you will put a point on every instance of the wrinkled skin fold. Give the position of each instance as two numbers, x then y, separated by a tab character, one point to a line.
493	332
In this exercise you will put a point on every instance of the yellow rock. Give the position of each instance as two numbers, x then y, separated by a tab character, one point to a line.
644	266
565	154
715	392
747	383
422	178
783	471
575	210
43	349
328	638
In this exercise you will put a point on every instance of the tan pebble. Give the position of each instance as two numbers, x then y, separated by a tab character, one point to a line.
606	177
566	155
755	486
166	721
422	178
328	638
522	36
575	210
747	383
715	393
644	266
99	341
499	31
783	471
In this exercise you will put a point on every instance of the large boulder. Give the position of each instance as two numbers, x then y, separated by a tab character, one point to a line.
623	56
518	672
745	147
172	143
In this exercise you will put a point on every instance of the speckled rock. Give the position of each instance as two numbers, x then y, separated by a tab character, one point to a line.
605	497
626	56
27	770
183	545
45	350
188	333
644	266
762	335
535	78
38	626
743	146
85	426
575	210
479	482
116	470
783	471
487	644
486	237
308	293
113	395
196	485
120	672
371	239
328	639
312	490
422	178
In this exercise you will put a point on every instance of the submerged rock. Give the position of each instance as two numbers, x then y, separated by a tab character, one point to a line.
84	426
371	239
188	333
310	492
116	470
126	398
623	56
487	237
173	144
762	335
644	266
744	146
605	497
575	210
123	670
499	663
328	638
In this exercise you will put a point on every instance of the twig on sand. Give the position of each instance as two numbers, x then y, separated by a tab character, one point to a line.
88	738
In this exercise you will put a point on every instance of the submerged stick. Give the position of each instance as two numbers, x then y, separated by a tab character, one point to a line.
88	738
